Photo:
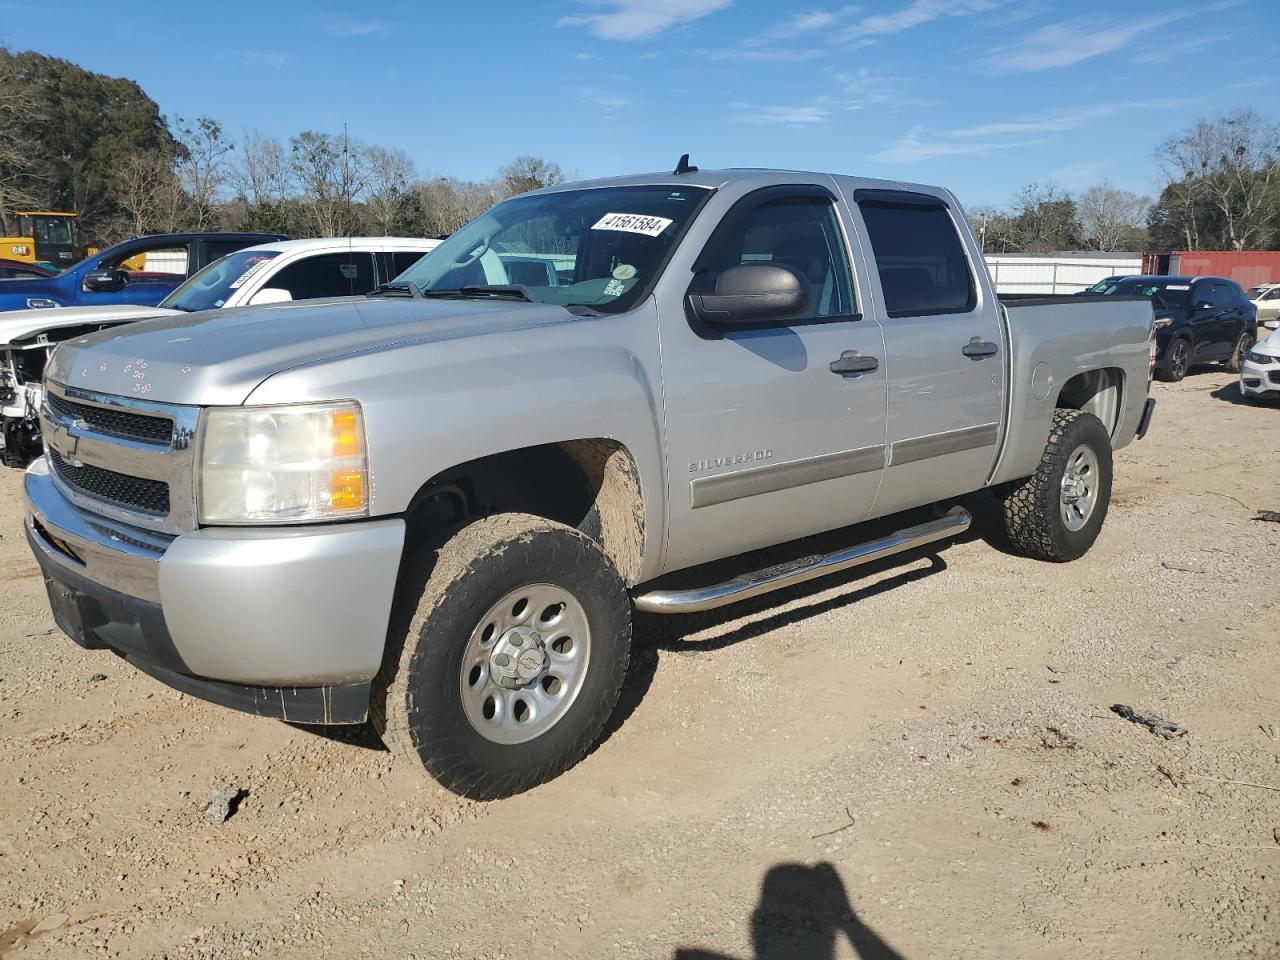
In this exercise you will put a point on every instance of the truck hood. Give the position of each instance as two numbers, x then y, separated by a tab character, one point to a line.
217	357
18	325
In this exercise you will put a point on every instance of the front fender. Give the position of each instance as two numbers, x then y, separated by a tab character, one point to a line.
432	406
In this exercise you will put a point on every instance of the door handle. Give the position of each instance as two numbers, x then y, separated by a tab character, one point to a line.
977	348
853	364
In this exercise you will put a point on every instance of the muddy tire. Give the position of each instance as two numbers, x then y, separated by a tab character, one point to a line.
508	648
1057	512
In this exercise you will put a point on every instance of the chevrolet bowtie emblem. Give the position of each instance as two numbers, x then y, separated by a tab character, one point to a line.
66	443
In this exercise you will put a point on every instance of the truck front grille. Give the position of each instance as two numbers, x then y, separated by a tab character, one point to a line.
133	493
114	422
1274	376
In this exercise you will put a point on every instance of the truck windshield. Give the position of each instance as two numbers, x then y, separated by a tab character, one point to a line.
596	248
215	284
1163	296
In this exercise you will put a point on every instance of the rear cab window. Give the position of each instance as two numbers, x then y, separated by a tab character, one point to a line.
919	255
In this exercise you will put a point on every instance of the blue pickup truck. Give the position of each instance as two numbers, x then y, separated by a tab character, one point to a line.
140	271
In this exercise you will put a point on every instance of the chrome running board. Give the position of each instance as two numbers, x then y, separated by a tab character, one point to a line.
754	584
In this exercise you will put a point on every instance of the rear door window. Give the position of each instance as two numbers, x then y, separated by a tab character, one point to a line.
921	261
216	249
327	275
162	263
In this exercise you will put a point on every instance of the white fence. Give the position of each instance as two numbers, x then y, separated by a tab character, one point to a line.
1014	273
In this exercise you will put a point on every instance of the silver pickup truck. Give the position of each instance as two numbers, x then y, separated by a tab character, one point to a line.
440	506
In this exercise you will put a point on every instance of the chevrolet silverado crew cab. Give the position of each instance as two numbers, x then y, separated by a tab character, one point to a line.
440	506
267	273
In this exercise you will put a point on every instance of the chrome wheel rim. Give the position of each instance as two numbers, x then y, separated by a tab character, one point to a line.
1181	359
1079	487
525	663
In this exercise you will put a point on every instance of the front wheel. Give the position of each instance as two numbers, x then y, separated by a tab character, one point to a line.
1057	512
512	658
1177	363
1243	346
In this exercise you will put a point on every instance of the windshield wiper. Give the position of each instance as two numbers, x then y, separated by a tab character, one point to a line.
515	291
397	289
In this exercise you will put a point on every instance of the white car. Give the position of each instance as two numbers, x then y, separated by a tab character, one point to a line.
1260	369
1266	298
268	273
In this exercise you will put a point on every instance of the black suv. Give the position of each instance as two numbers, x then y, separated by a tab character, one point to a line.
1198	320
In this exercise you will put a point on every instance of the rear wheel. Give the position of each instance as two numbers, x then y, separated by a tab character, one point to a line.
1057	512
512	657
1177	361
1243	346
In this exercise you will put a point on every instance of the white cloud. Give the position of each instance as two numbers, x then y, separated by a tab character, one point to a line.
862	88
852	91
914	15
1165	52
763	55
920	145
822	33
1002	135
802	24
785	116
641	19
354	29
1071	41
607	102
272	61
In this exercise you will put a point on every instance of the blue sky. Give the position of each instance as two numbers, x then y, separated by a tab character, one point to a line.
982	95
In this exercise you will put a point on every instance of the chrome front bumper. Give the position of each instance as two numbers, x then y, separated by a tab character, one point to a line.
247	608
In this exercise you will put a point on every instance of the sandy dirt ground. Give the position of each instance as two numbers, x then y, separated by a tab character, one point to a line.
915	760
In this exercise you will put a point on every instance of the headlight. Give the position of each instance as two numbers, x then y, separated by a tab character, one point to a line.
1162	322
1254	357
289	464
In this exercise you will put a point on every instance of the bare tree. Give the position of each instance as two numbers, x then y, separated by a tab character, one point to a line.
1112	218
262	182
331	174
151	195
19	111
202	165
446	204
1232	162
527	172
390	173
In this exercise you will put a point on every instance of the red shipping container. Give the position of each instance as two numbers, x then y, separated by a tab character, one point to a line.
1246	267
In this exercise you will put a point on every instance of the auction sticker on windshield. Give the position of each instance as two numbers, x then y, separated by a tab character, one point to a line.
632	223
258	264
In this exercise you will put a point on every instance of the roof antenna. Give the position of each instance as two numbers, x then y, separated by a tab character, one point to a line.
683	166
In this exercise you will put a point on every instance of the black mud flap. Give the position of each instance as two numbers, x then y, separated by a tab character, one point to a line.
1145	421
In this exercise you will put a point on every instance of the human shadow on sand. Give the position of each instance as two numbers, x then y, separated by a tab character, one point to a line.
803	913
